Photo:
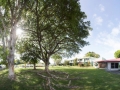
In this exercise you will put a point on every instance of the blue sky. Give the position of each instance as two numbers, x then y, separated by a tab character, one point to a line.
104	16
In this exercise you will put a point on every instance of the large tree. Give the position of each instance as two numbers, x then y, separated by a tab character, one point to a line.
92	54
57	26
12	12
117	54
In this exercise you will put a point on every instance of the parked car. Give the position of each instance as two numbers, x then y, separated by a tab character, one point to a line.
0	67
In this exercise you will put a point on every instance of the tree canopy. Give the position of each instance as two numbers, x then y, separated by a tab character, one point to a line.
117	54
56	27
92	54
27	51
11	12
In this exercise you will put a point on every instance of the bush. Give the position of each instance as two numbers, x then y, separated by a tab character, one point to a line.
66	62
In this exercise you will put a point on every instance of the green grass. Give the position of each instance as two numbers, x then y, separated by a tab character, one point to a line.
90	79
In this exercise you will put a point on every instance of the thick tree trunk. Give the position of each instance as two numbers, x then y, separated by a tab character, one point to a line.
47	66
34	66
11	75
11	53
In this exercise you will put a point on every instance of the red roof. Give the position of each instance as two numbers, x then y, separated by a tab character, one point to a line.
111	60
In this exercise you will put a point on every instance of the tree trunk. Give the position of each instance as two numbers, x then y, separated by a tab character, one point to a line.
47	66
11	53
34	66
25	65
11	75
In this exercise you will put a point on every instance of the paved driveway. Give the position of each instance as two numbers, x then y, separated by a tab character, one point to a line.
115	72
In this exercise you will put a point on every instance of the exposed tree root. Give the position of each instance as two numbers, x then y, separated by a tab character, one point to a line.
51	80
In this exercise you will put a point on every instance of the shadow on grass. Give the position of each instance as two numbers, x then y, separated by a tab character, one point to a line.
95	79
89	79
25	80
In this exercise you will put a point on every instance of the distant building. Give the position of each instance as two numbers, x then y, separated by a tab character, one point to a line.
71	62
93	61
110	65
84	60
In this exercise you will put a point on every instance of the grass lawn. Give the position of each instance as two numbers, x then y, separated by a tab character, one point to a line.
90	79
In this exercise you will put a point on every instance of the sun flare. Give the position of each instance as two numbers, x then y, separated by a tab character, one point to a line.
19	31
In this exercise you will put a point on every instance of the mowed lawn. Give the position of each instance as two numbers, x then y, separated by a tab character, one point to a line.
89	79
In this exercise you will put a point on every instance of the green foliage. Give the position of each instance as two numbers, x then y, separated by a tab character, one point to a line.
61	31
92	54
75	62
27	51
17	62
57	59
54	26
57	26
28	57
87	63
117	54
3	55
66	62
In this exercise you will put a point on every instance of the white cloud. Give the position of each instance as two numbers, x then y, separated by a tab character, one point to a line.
98	19
115	31
110	41
102	8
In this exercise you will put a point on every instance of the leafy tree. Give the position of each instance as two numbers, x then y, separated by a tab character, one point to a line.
75	62
3	55
30	57
87	63
92	54
12	13
28	52
66	62
117	54
57	59
57	26
17	62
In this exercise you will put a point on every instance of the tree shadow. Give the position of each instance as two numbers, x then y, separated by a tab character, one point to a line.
88	79
25	80
95	79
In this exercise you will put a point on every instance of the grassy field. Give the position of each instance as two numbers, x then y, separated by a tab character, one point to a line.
90	79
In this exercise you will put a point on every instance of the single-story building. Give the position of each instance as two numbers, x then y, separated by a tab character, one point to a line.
112	64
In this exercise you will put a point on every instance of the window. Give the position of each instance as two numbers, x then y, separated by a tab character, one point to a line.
86	59
114	65
79	60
